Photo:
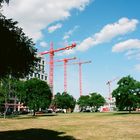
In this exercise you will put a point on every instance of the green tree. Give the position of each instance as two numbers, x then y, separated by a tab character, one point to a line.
96	101
2	1
83	101
127	94
2	97
37	94
137	94
6	89
7	1
17	52
64	101
9	88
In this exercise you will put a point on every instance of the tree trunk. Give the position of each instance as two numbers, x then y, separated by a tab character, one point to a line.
34	112
5	112
129	109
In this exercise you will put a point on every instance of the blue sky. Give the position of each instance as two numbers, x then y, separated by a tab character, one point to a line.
106	32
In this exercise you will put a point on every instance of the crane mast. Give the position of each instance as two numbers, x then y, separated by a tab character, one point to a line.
51	53
51	69
109	87
110	103
65	60
80	73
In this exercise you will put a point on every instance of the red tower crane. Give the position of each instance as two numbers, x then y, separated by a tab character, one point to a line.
80	73
65	60
51	54
109	87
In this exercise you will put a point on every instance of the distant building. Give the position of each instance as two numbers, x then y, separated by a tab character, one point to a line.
109	106
40	72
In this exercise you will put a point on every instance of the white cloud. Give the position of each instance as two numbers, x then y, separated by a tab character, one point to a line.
108	32
137	67
70	51
133	54
66	52
54	27
35	15
70	32
43	44
131	48
127	45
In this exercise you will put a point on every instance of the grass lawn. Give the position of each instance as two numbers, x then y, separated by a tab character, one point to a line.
75	126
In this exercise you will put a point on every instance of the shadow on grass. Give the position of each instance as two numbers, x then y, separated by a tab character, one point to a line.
28	116
34	134
34	117
119	113
125	113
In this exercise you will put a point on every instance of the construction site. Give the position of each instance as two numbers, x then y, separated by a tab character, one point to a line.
69	70
41	73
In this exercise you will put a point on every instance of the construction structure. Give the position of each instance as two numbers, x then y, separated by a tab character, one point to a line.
12	103
65	60
51	53
40	70
110	100
80	73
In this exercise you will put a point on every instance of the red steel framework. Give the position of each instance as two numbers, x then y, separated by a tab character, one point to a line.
65	60
51	53
109	87
80	73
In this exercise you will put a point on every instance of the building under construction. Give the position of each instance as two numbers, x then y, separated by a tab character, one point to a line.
12	103
40	70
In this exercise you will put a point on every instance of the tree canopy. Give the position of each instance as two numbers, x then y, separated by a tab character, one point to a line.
64	101
2	1
83	101
17	52
10	88
37	94
94	100
7	1
127	94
